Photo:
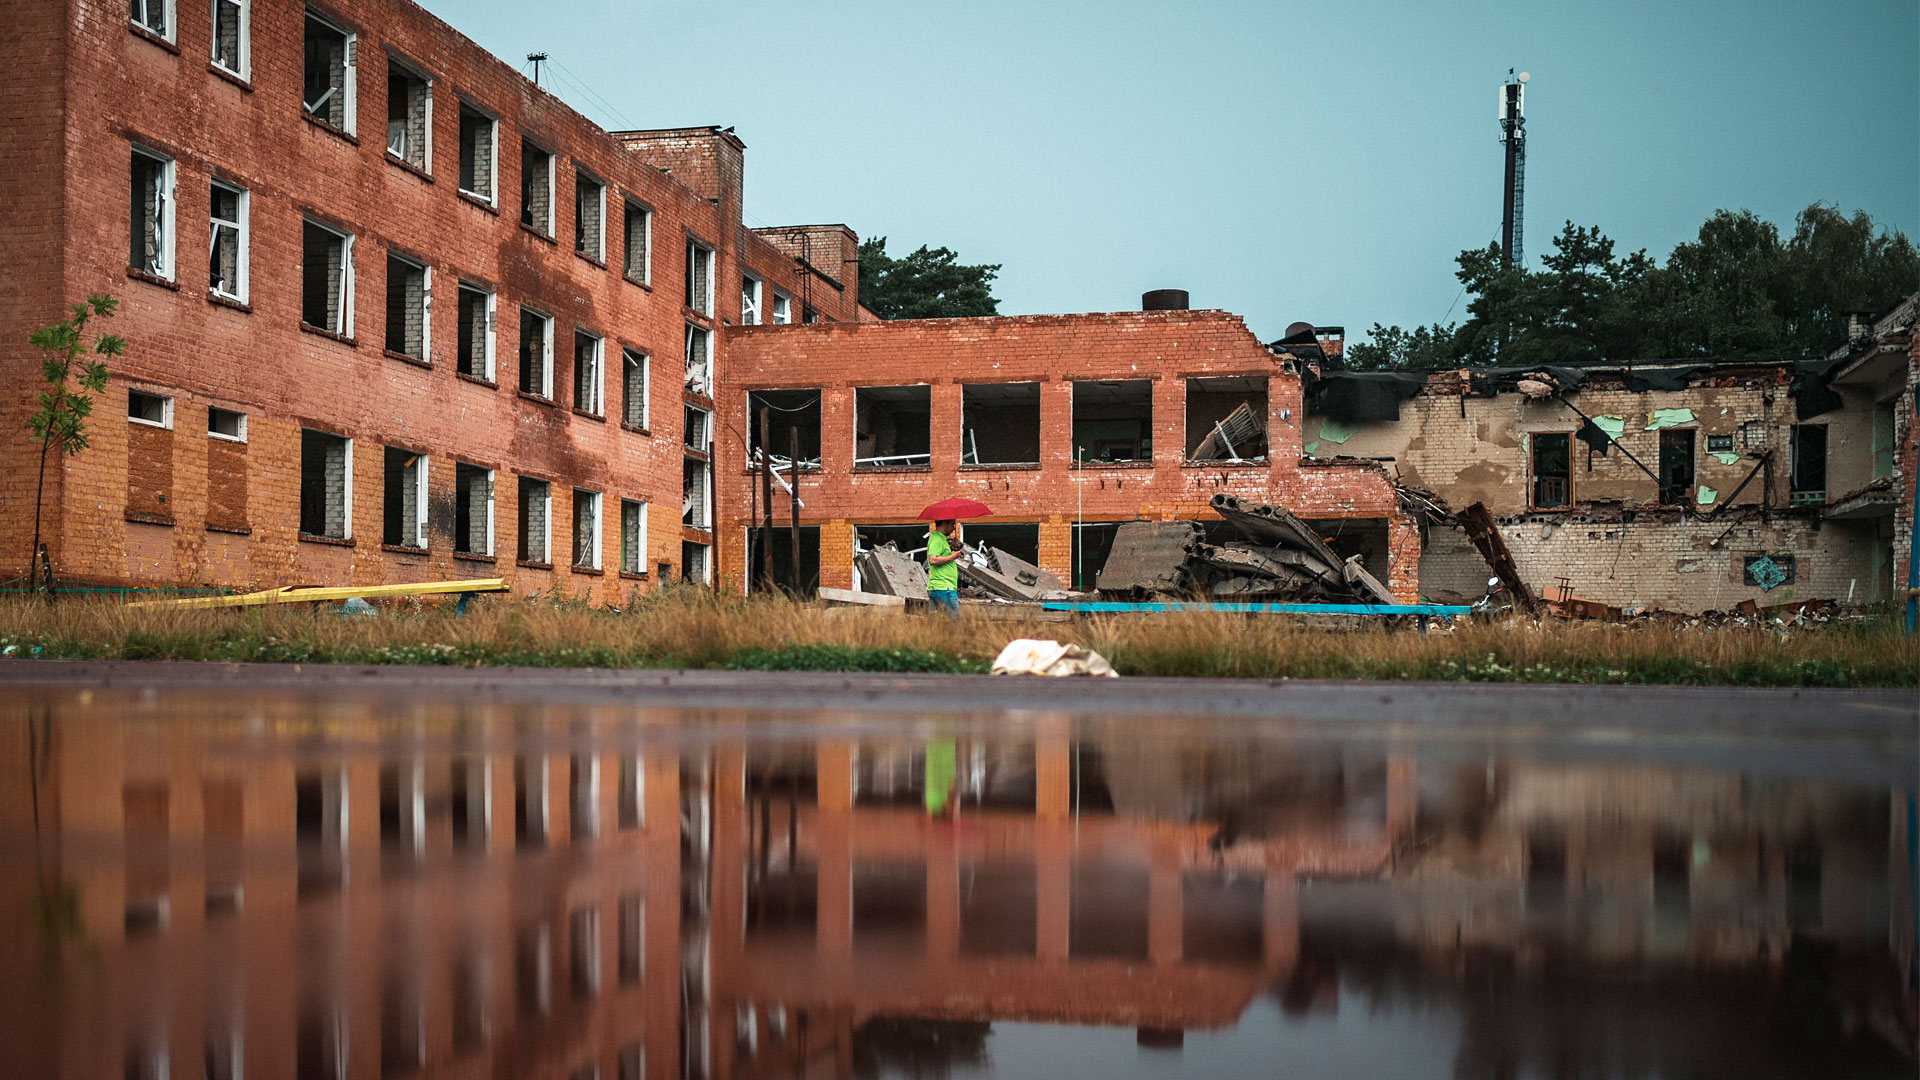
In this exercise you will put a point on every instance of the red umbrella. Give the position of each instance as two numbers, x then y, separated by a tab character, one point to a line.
954	509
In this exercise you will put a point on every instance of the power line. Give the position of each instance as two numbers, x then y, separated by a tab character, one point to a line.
580	84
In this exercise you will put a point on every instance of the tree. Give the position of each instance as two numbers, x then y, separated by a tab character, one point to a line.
60	420
930	283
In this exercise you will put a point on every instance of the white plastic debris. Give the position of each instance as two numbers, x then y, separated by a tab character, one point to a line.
1035	656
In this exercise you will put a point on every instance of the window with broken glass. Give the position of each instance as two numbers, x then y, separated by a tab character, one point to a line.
327	90
1551	468
232	51
227	242
639	242
407	304
150	209
587	378
478	133
586	529
536	188
699	359
1676	466
326	279
154	16
474	334
404	503
633	389
633	537
536	354
589	202
699	295
536	504
1809	465
409	115
749	300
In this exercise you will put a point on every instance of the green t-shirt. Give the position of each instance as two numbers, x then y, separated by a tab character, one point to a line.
945	577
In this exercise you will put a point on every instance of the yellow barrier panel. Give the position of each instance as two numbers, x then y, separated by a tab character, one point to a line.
295	594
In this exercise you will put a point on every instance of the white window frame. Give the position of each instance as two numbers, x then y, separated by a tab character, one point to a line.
545	389
345	327
166	409
546	515
593	541
346	490
489	508
163	213
239	227
492	196
703	383
645	276
598	253
705	446
486	342
244	10
419	538
640	541
426	301
782	313
634	358
169	21
222	436
596	386
703	519
349	111
546	229
426	149
752	289
694	250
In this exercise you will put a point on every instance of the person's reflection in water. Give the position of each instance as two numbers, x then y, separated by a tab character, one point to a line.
940	773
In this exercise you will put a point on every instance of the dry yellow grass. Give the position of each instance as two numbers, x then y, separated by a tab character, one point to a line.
696	628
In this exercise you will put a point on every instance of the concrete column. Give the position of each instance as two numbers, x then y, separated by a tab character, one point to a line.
945	429
1403	559
1056	548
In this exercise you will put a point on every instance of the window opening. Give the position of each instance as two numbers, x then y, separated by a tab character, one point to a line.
533	968
478	162
536	188
749	301
227	241
231	47
1882	443
693	562
589	201
409	115
1227	418
474	335
633	388
639	242
583	788
328	89
151	213
154	16
586	529
145	408
583	945
326	485
226	424
536	505
808	314
782	537
326	279
892	427
693	494
407	300
699	359
472	510
1552	459
1720	444
698	437
536	354
1676	466
699	294
788	411
633	537
1112	421
405	509
1000	424
587	380
782	308
1809	487
632	930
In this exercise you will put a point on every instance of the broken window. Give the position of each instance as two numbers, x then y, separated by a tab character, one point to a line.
472	510
226	424
1809	481
405	512
808	315
639	243
697	430
326	485
533	969
633	389
693	562
409	115
227	241
1551	470
1000	424
154	16
782	308
536	354
536	508
326	278
631	945
478	161
1113	420
473	344
583	949
589	209
633	537
536	188
586	529
693	494
1020	540
1676	465
150	209
403	1020
328	88
145	408
787	412
782	552
892	427
699	359
407	300
232	48
1227	418
749	300
699	294
587	377
320	830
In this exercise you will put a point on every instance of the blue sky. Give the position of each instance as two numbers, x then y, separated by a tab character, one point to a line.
1284	161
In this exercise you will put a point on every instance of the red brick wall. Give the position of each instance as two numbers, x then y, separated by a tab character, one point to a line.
1053	350
257	359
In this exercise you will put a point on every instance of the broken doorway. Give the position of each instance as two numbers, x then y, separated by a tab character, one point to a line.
1552	461
1000	424
783	558
1112	420
892	427
1227	418
1676	465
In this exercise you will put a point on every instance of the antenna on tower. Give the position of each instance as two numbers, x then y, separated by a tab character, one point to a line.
1513	132
536	59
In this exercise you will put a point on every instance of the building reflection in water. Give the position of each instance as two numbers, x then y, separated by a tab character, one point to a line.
278	888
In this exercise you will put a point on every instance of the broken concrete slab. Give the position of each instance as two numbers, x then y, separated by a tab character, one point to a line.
863	599
891	572
1150	557
1008	576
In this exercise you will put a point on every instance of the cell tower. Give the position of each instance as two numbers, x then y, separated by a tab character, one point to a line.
1513	132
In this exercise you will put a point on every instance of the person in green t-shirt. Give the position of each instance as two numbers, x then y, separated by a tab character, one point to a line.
943	577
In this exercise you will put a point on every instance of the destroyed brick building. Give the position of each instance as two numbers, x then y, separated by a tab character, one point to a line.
394	313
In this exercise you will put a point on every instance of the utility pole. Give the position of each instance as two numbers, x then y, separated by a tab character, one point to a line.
793	477
766	501
1513	132
536	59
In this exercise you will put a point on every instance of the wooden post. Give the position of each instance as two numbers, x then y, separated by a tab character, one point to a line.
793	480
766	501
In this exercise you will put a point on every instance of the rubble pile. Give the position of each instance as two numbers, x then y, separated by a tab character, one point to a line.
1278	558
986	573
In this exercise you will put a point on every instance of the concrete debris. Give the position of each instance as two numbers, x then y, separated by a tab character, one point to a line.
1484	534
1150	558
1037	656
1278	558
891	572
1008	577
863	599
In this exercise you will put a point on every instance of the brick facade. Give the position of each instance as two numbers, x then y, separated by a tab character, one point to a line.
85	87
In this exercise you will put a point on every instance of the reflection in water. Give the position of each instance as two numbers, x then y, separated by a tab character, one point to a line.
226	887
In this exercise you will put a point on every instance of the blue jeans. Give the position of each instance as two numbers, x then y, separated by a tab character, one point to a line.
947	600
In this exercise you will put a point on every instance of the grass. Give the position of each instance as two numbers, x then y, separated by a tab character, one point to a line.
695	628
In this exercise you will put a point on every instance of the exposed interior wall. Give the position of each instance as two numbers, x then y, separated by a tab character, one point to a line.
1000	424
